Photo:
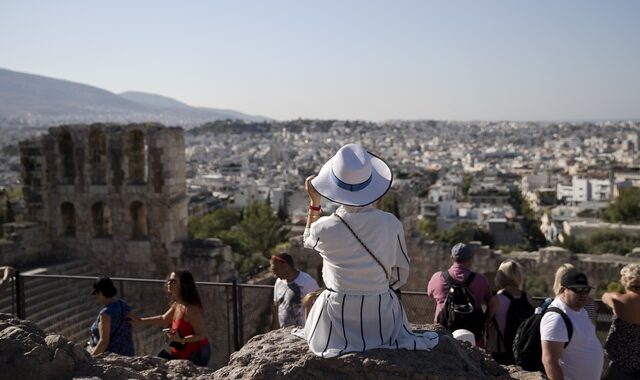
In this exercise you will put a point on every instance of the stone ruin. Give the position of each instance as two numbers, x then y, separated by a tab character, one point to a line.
115	196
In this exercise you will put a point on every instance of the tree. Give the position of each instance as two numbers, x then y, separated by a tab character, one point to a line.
626	208
260	230
464	233
212	224
389	203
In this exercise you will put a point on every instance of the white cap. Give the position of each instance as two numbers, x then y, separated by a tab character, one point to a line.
465	336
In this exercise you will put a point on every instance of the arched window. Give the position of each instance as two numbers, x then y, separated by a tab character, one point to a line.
98	157
65	149
68	219
139	228
137	155
101	220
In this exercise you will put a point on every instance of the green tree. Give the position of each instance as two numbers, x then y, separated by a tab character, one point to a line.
464	233
626	208
467	180
260	230
210	225
389	203
534	239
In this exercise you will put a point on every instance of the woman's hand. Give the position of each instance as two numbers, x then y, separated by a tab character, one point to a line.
314	196
173	336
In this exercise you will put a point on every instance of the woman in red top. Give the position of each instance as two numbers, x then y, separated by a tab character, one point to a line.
185	317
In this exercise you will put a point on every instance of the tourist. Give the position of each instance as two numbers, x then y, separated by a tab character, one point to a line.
111	331
184	321
460	274
570	348
508	308
289	291
365	260
623	342
590	307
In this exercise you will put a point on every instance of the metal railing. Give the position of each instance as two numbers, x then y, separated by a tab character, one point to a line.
58	303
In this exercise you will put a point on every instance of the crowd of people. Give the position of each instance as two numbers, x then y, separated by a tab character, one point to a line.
365	263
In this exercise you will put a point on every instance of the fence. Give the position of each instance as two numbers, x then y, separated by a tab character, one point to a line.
234	312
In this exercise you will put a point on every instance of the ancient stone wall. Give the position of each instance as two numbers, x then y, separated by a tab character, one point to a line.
112	194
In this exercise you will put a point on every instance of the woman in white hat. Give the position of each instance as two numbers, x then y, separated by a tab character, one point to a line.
364	260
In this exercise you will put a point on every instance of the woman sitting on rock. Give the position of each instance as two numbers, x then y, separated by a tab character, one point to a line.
365	260
185	317
111	331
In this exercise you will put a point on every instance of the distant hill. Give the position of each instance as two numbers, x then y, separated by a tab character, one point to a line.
35	100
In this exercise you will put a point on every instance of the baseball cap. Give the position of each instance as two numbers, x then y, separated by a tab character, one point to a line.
461	251
283	257
575	279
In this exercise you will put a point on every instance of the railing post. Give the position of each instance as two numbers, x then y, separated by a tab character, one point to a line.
240	315
234	300
20	309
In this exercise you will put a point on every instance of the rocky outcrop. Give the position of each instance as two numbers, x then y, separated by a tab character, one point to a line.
27	352
281	355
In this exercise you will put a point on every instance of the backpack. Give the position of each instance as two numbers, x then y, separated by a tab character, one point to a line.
460	310
519	310
527	348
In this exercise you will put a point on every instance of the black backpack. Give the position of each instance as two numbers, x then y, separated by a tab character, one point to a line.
460	310
527	348
519	310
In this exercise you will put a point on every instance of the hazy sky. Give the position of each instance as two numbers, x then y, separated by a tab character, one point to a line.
372	60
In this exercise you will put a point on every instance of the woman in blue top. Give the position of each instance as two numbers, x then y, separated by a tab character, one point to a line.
111	331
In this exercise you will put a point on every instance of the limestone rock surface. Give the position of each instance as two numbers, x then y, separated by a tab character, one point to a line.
281	355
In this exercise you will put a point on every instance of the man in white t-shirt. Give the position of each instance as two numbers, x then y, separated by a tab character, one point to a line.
583	357
289	290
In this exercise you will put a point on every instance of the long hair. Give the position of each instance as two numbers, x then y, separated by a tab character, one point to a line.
188	290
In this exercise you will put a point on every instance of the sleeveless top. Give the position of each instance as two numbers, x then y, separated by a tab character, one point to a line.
623	344
120	339
184	328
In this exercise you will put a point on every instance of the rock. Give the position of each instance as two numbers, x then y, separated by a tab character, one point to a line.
29	353
281	355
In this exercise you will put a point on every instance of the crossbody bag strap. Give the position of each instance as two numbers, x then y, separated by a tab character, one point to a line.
365	247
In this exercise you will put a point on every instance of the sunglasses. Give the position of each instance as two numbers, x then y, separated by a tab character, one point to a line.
580	290
171	281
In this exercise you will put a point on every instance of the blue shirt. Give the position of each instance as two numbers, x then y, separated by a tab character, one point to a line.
121	340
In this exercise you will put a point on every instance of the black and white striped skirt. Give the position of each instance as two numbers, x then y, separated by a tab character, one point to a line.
340	323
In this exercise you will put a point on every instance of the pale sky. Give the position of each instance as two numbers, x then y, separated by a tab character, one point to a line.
370	60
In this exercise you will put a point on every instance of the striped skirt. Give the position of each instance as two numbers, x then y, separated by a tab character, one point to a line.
340	323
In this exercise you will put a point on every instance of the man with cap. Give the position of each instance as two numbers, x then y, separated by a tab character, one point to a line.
582	357
460	270
289	290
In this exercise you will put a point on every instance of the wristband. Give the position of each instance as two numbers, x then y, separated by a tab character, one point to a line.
315	208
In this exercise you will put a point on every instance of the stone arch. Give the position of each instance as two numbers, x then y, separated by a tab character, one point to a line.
68	219
102	223
139	223
67	159
136	151
98	157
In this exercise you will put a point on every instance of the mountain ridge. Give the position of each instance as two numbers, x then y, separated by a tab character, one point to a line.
36	100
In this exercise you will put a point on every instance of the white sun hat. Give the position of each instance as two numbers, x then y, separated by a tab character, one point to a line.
353	177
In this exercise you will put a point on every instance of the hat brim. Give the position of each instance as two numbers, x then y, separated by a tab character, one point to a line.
381	178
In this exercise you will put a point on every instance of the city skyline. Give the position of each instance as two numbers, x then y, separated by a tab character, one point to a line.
376	61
